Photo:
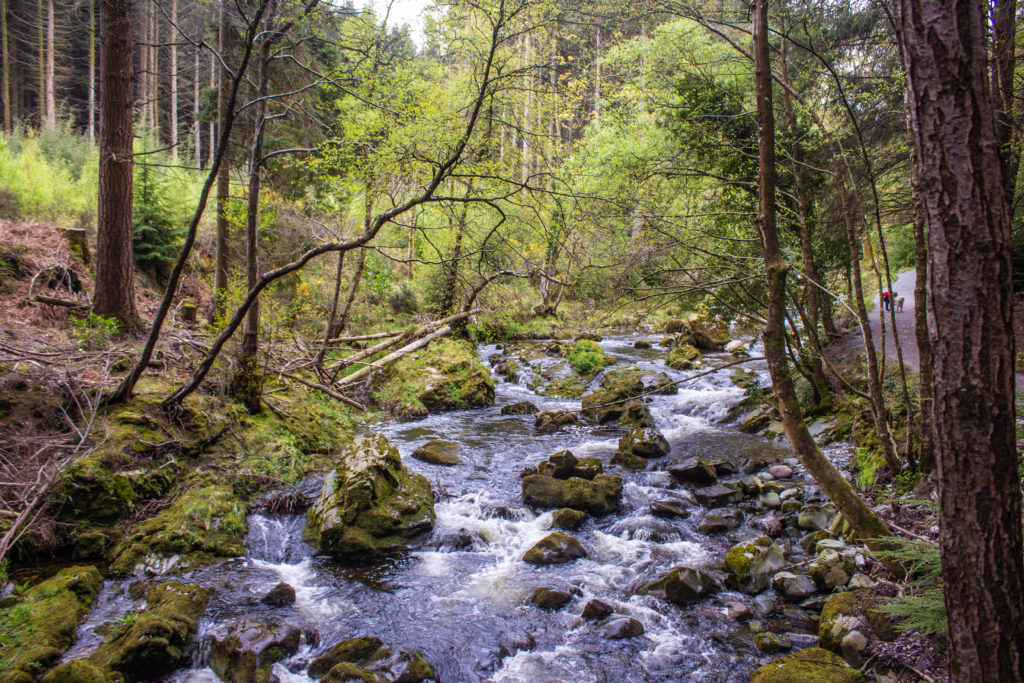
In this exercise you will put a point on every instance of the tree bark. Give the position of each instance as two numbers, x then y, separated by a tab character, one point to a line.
172	38
115	285
223	229
51	103
967	212
197	125
92	68
1005	35
6	85
865	524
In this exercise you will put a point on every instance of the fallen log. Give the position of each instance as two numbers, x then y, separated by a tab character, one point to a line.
54	301
407	349
363	337
327	390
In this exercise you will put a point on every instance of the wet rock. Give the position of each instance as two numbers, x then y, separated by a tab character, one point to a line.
555	548
683	357
514	642
751	565
438	452
669	505
636	415
765	604
720	522
813	665
793	587
446	375
628	461
682	585
755	420
350	650
693	471
832	568
244	651
780	471
455	540
723	468
370	503
563	465
744	378
770	525
367	659
589	336
509	369
618	628
618	387
646	443
568	519
852	611
814	517
596	609
770	500
738	611
75	671
157	641
736	348
790	506
791	494
717	496
861	581
280	595
853	648
641	344
551	421
520	408
771	643
550	598
598	496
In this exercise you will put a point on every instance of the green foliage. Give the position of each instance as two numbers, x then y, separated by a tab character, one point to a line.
921	607
156	227
587	357
402	299
48	176
93	331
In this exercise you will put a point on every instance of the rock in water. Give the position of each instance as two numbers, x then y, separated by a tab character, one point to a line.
551	421
550	598
568	519
556	548
370	503
367	659
812	665
596	609
280	595
246	650
618	628
598	496
645	442
520	408
793	587
438	452
751	565
682	585
695	471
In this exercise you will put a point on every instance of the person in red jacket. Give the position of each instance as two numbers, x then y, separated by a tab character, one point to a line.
885	299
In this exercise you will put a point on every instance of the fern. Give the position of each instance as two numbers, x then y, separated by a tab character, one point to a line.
922	607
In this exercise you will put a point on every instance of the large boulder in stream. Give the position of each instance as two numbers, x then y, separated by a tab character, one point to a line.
438	452
446	375
369	660
555	548
813	665
683	357
371	503
752	565
564	481
682	585
244	651
644	443
618	387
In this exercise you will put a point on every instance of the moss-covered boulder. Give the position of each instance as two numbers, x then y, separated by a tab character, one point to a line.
618	387
568	519
813	665
832	568
551	421
76	671
519	408
682	585
752	565
245	651
852	611
438	452
201	526
587	357
371	503
645	443
366	658
446	375
154	642
36	630
555	548
683	357
598	496
550	598
563	465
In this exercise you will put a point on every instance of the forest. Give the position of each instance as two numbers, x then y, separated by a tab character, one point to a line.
511	340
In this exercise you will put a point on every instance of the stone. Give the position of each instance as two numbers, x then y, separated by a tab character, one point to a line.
791	494
770	500
738	611
861	581
852	611
551	421
598	496
550	598
438	452
668	505
814	517
446	375
350	650
723	468
596	609
641	344
636	414
853	648
618	628
455	540
280	595
683	357
832	568
720	522
628	461
618	387
693	471
520	408
735	347
717	496
645	442
563	465
367	659
780	471
682	585
770	525
765	604
751	565
238	651
790	506
568	519
370	503
793	587
555	548
813	665
75	671
771	643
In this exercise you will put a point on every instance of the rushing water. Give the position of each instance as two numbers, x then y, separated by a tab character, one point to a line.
460	595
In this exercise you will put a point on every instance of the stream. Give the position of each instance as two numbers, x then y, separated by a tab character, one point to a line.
460	595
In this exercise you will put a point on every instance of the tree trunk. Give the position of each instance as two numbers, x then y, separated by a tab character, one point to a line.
197	126
172	38
6	85
967	212
597	76
353	289
41	48
115	285
860	517
92	68
51	103
1005	29
318	364
223	229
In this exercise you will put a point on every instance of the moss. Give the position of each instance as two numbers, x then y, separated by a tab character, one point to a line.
202	525
683	357
35	631
813	665
446	375
156	642
571	386
351	650
345	672
851	606
769	643
568	519
76	671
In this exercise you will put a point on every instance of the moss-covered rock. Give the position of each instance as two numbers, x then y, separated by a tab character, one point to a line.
618	387
245	651
520	408
683	357
76	671
371	503
751	565
550	598
366	658
39	627
201	526
555	548
563	465
645	443
350	650
813	665
438	452
155	641
598	496
568	519
852	611
551	421
446	375
771	643
682	585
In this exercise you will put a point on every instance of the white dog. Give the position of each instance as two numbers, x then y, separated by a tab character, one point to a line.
899	305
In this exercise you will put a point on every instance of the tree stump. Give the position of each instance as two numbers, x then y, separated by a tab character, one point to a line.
78	242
